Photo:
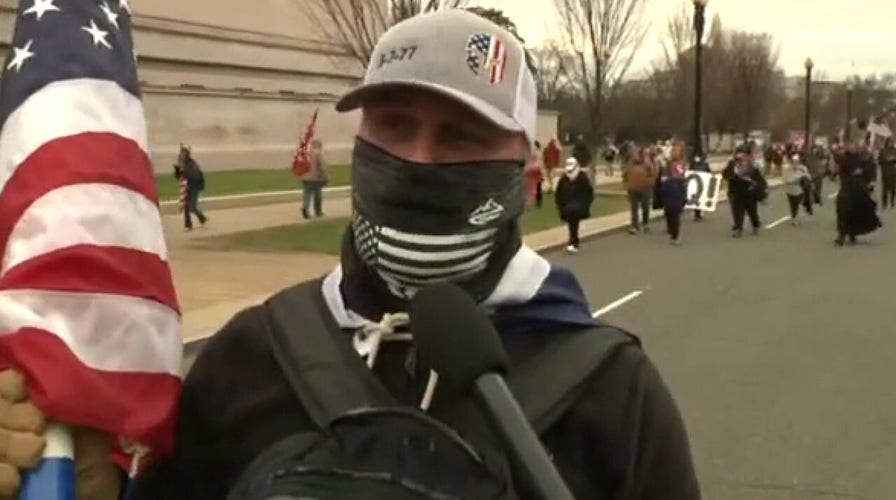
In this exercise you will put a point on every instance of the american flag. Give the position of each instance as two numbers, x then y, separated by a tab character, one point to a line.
300	162
88	310
487	55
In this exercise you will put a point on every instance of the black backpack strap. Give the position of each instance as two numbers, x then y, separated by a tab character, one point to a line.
548	382
317	357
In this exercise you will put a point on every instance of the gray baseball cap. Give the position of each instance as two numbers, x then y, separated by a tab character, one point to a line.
460	55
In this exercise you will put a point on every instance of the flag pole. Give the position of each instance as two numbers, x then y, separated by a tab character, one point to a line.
54	478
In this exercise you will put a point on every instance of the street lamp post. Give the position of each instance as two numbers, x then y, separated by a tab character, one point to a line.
847	130
699	25
808	133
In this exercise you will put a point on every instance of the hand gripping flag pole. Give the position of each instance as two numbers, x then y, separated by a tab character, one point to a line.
88	311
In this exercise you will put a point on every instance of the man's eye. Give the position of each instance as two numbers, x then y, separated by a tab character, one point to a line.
394	125
467	136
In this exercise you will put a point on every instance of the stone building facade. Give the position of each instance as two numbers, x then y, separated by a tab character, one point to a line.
238	80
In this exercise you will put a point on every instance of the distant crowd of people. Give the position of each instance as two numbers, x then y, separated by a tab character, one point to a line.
654	177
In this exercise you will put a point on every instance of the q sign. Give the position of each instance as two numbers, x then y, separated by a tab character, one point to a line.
703	190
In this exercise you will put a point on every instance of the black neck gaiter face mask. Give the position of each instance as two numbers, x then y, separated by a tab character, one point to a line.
417	224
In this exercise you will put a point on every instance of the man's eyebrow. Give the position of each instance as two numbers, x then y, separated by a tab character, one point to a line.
475	126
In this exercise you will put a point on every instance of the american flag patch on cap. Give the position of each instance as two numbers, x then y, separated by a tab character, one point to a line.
487	56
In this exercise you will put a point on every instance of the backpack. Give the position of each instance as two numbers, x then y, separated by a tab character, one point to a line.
367	446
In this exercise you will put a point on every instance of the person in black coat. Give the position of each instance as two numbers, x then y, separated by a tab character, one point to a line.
191	171
856	210
574	197
887	161
746	189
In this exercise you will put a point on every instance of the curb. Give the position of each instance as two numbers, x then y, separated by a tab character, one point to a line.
192	347
264	194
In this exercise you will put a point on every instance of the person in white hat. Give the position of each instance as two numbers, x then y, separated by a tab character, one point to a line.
575	193
796	180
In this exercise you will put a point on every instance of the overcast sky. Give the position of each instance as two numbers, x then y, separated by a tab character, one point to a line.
843	37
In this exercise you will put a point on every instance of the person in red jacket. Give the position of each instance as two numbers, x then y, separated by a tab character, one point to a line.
552	153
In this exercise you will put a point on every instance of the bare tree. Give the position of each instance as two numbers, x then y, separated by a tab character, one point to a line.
604	35
680	36
752	62
673	74
553	66
356	25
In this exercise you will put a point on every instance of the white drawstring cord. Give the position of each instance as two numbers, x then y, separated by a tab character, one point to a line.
430	391
368	338
137	452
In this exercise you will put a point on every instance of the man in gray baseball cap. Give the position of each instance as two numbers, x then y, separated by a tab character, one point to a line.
448	116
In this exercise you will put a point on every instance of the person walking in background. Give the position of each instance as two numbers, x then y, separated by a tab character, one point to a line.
639	180
746	188
582	153
856	210
313	182
575	193
194	180
610	154
534	175
671	193
887	161
552	154
798	187
819	165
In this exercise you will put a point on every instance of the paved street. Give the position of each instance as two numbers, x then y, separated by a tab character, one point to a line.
779	349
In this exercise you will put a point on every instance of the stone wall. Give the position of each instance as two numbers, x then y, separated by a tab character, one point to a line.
238	80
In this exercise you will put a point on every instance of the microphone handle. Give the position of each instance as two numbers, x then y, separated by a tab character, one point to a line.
530	460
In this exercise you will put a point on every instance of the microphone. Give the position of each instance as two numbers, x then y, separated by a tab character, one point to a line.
458	341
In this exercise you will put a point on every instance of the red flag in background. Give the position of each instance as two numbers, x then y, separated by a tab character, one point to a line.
88	310
301	162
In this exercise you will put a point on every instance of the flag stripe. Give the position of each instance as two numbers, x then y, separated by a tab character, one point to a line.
68	108
94	214
82	159
87	307
46	359
104	331
423	270
436	256
439	240
97	269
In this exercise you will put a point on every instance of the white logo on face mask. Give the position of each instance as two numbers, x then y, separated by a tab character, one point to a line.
486	213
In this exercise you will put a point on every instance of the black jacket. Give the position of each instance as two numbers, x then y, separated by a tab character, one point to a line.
624	436
750	186
857	172
574	197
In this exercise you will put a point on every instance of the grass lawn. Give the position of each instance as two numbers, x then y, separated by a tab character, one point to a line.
324	236
227	182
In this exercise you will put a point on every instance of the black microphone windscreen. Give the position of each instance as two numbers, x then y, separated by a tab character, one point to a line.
454	336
